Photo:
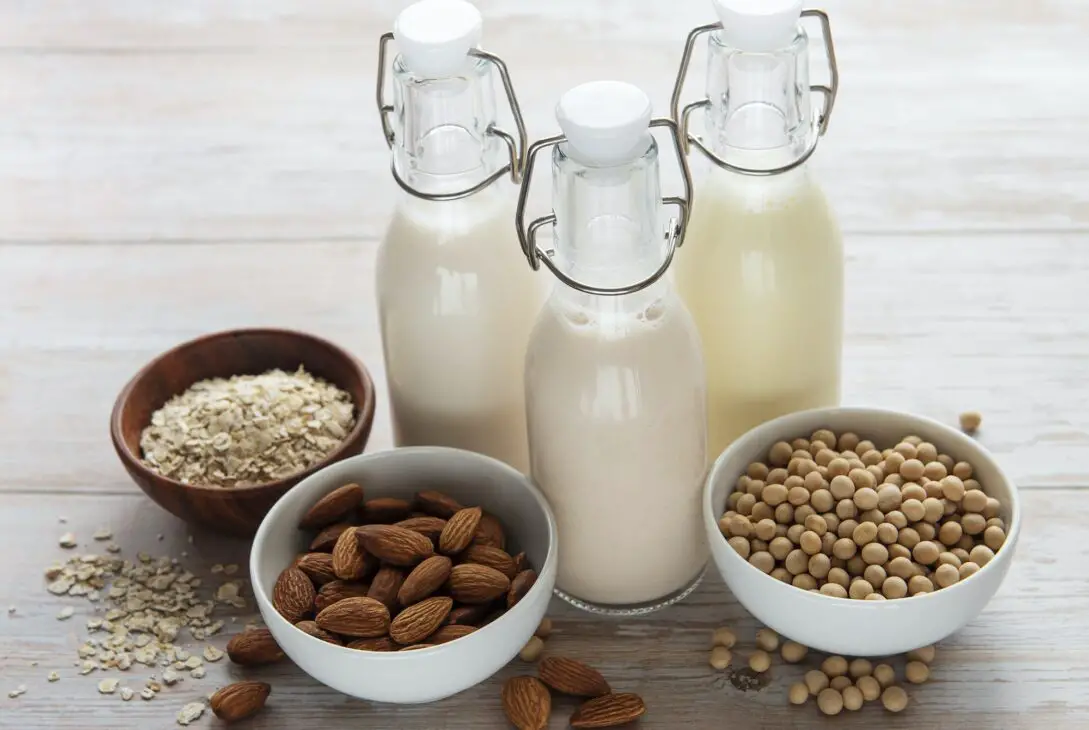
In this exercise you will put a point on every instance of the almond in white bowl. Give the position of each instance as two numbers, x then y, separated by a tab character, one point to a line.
418	572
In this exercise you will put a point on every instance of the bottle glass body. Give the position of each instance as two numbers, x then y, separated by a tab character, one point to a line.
761	269
455	299
615	399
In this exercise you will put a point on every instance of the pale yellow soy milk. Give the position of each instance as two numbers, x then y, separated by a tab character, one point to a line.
762	274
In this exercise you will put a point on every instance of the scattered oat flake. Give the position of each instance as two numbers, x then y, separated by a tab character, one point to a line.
68	540
104	533
108	686
126	693
18	691
113	548
147	694
170	677
212	654
53	677
217	568
230	569
65	613
193	662
190	713
197	673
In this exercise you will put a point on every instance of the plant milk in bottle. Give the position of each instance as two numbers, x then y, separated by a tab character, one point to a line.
614	376
456	302
762	265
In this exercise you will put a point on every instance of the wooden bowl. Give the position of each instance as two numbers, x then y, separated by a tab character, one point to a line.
232	510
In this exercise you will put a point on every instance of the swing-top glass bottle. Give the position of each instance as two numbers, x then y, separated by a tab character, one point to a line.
762	267
455	300
614	377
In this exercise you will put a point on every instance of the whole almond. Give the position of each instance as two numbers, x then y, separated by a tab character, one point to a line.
311	628
338	590
362	618
332	507
428	526
253	648
472	583
572	677
520	586
386	586
425	579
381	643
468	615
239	700
526	703
450	632
420	620
395	545
490	532
293	594
385	510
349	558
459	530
493	557
327	538
609	711
437	504
319	566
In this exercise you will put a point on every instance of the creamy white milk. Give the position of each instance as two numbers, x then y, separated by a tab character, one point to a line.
456	304
761	271
616	419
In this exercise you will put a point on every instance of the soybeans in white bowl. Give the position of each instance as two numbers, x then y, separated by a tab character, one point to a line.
818	614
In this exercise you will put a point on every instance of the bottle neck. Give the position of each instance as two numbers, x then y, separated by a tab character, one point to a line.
441	141
760	112
609	231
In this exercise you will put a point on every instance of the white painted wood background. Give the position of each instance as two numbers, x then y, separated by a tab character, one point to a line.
173	168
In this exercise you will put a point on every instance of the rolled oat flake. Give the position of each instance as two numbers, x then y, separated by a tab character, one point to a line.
247	429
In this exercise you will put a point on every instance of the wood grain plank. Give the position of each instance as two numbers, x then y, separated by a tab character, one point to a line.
662	656
935	325
254	121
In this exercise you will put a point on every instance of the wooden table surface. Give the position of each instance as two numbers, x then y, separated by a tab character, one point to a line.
173	168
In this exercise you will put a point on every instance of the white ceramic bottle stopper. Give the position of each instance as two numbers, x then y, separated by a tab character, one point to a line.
758	26
434	36
606	122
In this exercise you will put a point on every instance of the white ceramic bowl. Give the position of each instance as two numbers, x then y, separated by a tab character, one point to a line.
423	675
845	626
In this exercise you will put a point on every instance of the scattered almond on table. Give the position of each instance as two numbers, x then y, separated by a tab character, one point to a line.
527	702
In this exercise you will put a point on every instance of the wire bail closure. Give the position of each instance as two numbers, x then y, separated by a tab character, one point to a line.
535	255
821	123
515	148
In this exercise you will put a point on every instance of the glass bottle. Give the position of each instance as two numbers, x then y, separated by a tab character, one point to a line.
762	268
614	376
455	301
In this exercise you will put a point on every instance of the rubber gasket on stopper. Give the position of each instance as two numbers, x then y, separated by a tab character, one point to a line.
434	36
606	122
758	26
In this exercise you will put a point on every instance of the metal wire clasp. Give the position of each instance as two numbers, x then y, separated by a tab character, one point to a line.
515	148
821	123
675	231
